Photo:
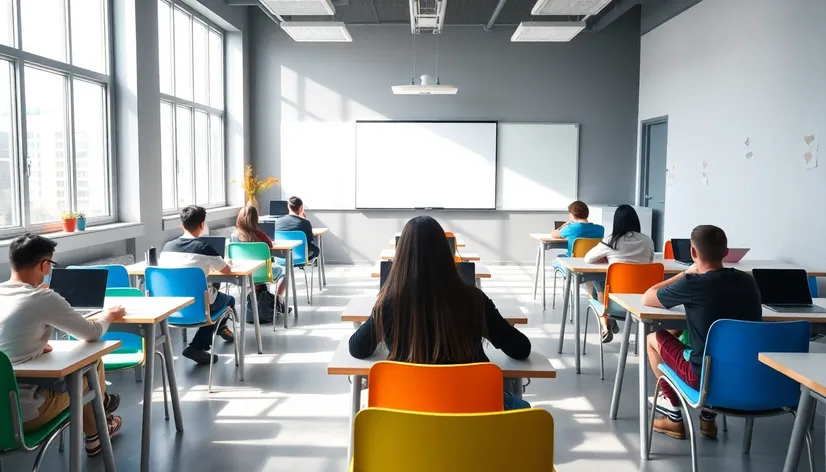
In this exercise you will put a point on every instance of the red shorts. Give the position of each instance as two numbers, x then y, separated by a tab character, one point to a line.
671	351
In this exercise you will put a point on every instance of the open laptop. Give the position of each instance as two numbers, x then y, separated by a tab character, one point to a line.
219	243
735	254
785	290
451	241
278	208
682	251
84	289
558	224
268	228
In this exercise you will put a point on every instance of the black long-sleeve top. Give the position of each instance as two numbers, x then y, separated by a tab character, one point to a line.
500	333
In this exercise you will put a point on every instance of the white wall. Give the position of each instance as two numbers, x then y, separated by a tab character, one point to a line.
725	70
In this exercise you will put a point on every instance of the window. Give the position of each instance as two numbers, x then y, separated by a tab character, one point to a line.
192	108
55	92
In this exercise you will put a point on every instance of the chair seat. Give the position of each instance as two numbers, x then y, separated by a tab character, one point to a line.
614	311
123	359
39	435
686	390
214	316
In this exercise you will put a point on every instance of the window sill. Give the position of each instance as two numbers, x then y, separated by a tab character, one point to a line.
171	222
93	236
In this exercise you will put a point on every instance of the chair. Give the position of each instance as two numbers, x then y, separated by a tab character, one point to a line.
12	437
118	276
188	282
813	286
404	441
299	259
256	252
668	250
622	277
580	247
474	388
734	383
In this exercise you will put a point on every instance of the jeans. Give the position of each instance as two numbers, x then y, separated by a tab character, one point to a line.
513	403
203	338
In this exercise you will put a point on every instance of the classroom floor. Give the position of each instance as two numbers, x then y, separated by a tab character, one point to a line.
289	415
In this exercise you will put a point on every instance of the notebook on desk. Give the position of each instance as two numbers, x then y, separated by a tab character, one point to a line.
785	290
84	289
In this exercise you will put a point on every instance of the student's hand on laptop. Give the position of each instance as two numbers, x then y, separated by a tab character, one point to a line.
115	313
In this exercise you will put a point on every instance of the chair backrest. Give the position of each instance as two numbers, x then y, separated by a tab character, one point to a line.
181	282
278	207
583	245
668	250
8	387
813	286
299	252
404	441
474	388
256	251
736	379
384	272
624	277
118	276
129	342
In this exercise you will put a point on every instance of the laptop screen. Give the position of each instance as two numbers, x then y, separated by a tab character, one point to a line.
783	286
682	249
451	241
267	227
82	288
219	243
384	272
558	224
467	271
278	208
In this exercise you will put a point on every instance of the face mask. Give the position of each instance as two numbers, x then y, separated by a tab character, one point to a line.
48	277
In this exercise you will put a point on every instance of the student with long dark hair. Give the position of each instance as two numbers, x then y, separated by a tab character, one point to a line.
626	243
426	314
247	231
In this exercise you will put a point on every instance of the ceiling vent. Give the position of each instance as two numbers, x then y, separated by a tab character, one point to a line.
317	32
569	7
427	15
546	32
300	7
427	87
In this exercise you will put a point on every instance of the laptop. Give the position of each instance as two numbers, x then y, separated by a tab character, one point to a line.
278	208
682	251
785	290
219	243
84	289
736	254
268	228
467	271
451	241
558	224
384	272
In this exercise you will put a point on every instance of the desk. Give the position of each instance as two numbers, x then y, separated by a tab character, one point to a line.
284	247
545	241
360	308
241	276
392	242
807	369
536	366
72	360
144	315
482	272
389	253
318	233
673	318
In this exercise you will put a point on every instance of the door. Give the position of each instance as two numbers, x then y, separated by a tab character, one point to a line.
654	147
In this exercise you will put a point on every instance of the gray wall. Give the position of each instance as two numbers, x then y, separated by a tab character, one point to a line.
657	12
593	81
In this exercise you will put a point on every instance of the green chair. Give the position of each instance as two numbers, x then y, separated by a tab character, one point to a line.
254	252
12	437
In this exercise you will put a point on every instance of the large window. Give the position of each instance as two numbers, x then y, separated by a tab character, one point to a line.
55	91
192	108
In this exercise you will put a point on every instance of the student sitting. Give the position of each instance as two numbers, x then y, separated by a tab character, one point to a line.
297	221
709	292
425	314
625	244
29	313
578	226
189	251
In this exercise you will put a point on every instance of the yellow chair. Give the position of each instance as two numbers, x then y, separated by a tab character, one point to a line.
402	441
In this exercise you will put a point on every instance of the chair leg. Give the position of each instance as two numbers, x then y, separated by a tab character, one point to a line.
212	353
553	293
585	334
747	435
62	442
312	273
139	374
725	424
234	330
307	286
651	417
810	447
536	270
183	335
163	383
691	435
601	358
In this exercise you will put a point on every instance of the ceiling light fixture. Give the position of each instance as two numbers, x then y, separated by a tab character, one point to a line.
569	7
546	32
427	86
300	7
317	31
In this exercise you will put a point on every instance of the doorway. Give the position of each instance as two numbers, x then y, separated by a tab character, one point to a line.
654	147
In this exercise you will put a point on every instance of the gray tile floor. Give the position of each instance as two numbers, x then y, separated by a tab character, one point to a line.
289	415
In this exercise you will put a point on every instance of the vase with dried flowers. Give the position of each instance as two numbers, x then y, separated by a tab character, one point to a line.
253	186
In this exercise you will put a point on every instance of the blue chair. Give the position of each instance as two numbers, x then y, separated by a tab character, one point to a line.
118	276
813	286
299	259
188	282
734	383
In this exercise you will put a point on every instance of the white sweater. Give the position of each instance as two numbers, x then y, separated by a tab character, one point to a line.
631	247
27	318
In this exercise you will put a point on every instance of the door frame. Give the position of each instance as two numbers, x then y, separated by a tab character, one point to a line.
644	178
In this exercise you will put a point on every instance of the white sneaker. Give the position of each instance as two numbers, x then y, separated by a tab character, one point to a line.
665	406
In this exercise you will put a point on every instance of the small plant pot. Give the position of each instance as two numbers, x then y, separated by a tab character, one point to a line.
81	224
69	225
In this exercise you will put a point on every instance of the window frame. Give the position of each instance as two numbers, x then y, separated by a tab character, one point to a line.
20	60
193	106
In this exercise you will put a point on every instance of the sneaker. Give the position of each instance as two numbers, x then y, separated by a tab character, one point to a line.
93	447
673	429
111	402
226	334
280	305
199	356
665	407
708	428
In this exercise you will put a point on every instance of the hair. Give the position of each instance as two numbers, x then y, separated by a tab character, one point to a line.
442	317
28	250
579	209
192	217
625	221
247	224
711	243
295	204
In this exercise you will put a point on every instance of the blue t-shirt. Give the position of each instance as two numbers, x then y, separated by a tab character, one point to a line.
575	230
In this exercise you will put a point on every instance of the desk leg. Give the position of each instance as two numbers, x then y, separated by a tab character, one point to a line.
544	261
148	386
100	420
76	449
643	374
242	351
322	273
170	375
355	406
566	300
623	358
575	300
536	269
291	265
288	275
254	301
799	430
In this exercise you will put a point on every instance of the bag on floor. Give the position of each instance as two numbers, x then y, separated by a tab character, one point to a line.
266	305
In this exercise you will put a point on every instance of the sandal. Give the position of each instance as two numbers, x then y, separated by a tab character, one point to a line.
93	446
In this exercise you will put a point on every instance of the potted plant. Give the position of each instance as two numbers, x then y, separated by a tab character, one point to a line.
81	221
253	186
69	221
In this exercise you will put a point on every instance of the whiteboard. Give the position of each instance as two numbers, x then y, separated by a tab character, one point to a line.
425	164
537	166
318	163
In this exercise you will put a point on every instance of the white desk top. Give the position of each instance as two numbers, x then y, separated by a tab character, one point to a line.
239	268
284	245
578	265
360	308
389	253
536	366
392	242
66	357
146	310
633	303
482	271
547	238
805	368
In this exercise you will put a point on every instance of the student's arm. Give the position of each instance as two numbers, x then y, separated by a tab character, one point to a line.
216	262
57	313
557	233
504	336
670	292
363	341
598	253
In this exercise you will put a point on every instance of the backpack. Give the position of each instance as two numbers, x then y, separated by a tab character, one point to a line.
266	305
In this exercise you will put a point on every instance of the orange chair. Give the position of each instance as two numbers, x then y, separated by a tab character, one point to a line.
668	251
579	249
474	388
622	277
